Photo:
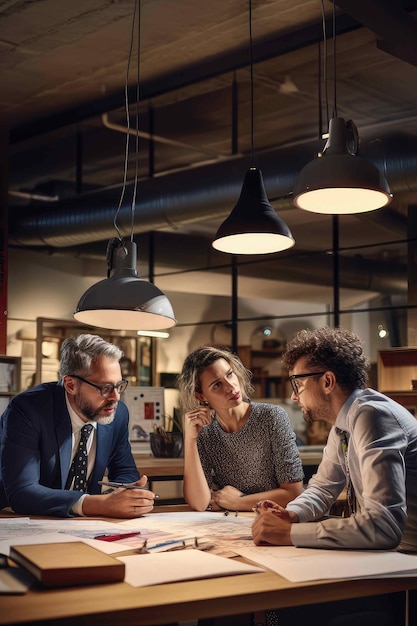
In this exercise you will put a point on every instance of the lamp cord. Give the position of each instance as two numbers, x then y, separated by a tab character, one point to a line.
319	93
135	186
326	93
126	103
334	61
251	86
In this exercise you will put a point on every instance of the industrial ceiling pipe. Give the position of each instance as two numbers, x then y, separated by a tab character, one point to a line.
194	195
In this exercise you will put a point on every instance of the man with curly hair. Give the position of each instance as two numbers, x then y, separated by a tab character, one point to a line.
371	451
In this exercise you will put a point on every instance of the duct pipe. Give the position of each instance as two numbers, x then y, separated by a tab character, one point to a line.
194	195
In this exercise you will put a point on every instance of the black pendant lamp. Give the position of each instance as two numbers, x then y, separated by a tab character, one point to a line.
123	301
338	181
253	227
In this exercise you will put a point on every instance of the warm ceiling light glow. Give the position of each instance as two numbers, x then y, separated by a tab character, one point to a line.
153	333
382	332
346	199
253	243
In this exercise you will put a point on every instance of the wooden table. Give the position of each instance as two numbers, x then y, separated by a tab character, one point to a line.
115	604
119	603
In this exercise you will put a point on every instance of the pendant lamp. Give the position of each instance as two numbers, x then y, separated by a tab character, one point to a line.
253	227
339	182
123	301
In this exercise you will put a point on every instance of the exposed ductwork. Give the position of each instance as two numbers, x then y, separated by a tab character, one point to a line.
194	195
209	192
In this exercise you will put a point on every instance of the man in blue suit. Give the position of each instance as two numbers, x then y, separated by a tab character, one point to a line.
41	428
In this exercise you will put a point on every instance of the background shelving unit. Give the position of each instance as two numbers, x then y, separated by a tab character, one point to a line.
9	379
397	368
269	380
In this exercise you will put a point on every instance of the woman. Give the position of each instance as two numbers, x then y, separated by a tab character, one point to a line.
236	452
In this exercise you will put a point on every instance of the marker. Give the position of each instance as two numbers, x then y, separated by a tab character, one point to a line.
116	537
106	483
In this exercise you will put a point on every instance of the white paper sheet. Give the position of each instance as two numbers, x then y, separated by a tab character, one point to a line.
164	567
107	547
305	564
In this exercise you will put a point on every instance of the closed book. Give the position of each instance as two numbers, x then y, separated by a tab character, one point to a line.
69	563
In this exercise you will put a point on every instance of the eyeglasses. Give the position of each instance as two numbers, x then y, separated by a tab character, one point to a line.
107	389
294	380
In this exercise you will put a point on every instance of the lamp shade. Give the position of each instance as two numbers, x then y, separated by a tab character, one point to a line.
339	182
253	227
124	301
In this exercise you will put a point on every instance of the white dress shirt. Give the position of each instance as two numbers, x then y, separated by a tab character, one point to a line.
382	459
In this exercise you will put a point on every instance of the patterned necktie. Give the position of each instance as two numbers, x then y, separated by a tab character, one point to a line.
350	492
78	469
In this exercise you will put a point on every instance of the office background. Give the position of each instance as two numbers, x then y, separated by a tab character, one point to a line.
64	133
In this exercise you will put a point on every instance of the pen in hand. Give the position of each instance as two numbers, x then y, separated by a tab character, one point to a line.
106	483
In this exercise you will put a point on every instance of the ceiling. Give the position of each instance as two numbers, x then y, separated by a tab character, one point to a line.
63	101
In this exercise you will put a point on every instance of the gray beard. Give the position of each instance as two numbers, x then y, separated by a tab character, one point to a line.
104	420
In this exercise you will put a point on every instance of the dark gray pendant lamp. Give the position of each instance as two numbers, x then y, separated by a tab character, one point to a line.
253	227
339	182
123	301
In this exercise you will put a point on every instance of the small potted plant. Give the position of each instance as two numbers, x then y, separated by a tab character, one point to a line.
167	443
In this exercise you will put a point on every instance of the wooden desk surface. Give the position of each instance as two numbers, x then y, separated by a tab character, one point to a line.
115	604
153	466
119	603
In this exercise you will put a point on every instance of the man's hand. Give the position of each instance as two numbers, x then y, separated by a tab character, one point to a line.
273	524
123	503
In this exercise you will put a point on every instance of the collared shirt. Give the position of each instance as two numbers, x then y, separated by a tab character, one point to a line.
77	424
382	457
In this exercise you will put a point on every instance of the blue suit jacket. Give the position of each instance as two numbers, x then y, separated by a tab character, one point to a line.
36	444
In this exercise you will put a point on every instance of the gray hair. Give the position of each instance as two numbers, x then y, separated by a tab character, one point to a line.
188	381
78	354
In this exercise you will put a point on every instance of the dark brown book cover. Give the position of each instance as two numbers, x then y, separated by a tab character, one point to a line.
69	563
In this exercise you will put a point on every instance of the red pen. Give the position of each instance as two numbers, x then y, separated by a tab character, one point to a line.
116	537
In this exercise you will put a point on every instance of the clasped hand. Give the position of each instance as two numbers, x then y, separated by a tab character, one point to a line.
226	498
272	524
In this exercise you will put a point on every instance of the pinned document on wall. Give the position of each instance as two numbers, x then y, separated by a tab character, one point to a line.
146	411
